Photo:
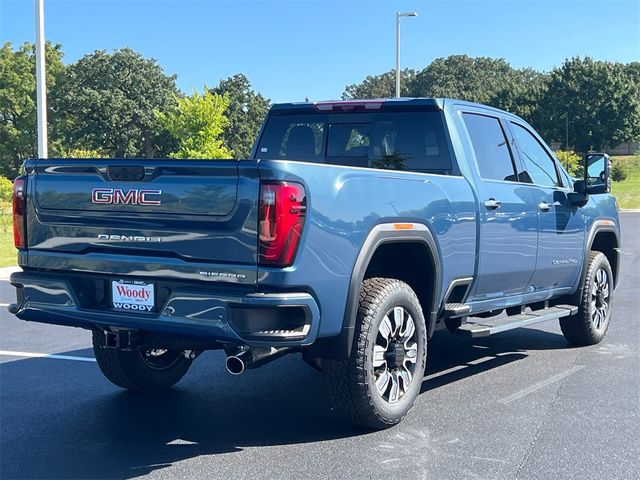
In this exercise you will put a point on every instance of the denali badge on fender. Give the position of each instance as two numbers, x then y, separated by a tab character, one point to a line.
117	196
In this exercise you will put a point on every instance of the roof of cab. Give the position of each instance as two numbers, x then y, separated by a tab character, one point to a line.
368	104
409	103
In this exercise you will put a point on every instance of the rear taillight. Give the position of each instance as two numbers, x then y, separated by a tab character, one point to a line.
282	211
19	210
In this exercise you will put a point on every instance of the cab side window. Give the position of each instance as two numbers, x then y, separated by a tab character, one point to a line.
540	169
491	147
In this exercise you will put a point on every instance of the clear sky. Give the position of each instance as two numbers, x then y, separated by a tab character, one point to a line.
296	49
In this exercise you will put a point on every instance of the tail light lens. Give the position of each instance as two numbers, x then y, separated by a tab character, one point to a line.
19	211
282	212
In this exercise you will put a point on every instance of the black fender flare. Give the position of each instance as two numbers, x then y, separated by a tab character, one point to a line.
597	227
340	347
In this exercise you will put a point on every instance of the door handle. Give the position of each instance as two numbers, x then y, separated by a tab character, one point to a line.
544	207
492	204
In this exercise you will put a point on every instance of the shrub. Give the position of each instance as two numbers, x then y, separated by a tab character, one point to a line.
571	161
619	170
6	190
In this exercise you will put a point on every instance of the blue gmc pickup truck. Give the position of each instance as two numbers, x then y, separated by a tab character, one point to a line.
356	230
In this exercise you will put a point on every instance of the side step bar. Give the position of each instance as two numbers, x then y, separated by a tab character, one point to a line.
490	326
452	310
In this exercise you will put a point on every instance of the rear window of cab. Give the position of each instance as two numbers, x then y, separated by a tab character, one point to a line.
411	141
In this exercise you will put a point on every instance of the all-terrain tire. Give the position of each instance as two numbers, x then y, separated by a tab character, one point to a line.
355	396
585	327
135	370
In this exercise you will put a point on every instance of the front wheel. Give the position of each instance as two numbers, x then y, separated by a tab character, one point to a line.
377	385
140	369
590	324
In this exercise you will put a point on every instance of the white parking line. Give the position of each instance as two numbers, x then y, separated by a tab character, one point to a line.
4	304
5	272
45	355
537	386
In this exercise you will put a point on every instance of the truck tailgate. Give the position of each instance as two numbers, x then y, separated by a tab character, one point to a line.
172	216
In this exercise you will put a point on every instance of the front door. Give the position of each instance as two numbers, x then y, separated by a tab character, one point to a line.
508	216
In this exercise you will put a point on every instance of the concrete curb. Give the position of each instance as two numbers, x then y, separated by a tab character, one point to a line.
630	210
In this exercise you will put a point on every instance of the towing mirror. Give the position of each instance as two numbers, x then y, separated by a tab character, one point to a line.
596	173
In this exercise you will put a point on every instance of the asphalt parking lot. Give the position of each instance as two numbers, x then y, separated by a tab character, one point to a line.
522	404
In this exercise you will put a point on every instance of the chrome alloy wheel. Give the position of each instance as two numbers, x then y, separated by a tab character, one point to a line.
600	293
395	354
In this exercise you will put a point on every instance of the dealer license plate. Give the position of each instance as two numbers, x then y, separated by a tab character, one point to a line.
132	295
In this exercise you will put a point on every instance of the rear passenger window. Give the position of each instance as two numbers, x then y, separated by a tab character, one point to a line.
490	146
540	167
410	141
407	142
348	140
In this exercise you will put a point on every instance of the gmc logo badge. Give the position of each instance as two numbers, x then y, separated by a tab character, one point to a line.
117	196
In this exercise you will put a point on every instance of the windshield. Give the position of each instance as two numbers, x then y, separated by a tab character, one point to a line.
413	141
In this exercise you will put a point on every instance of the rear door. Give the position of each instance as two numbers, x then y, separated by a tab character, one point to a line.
186	218
508	218
561	225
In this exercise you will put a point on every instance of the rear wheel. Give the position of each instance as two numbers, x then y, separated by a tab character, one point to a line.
590	324
377	385
140	369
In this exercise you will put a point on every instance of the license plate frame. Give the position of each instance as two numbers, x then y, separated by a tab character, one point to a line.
135	296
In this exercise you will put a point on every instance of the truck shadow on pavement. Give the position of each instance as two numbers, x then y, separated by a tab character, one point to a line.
62	419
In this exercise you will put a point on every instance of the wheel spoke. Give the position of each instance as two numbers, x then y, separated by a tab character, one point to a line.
411	351
378	356
398	319
409	329
592	309
386	328
605	290
382	382
406	376
394	391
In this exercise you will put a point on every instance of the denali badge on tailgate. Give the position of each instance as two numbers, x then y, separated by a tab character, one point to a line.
117	196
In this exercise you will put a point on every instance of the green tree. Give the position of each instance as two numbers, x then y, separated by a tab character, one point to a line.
198	123
484	80
381	86
633	70
18	130
110	100
601	100
571	161
246	112
460	76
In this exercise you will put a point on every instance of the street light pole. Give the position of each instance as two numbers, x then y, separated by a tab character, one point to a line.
566	130
398	15
41	83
